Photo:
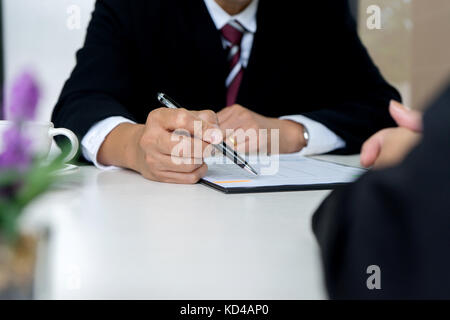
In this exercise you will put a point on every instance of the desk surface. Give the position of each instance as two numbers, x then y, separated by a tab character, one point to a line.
115	235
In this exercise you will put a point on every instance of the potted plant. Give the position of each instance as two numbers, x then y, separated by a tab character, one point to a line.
23	177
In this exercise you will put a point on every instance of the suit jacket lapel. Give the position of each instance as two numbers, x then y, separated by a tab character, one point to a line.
208	44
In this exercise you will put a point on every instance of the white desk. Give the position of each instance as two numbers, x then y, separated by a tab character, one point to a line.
116	235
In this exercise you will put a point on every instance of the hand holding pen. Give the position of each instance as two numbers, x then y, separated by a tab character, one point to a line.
148	148
221	146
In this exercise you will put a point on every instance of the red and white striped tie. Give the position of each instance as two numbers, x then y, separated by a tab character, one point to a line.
233	33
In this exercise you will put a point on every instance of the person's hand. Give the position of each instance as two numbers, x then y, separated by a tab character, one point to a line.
241	120
170	147
389	146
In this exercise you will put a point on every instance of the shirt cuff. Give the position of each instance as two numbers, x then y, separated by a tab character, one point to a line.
92	141
321	139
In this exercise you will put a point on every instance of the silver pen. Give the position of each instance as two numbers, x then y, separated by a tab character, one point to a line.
222	148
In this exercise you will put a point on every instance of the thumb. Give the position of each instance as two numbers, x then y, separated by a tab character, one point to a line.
207	115
211	130
372	148
406	118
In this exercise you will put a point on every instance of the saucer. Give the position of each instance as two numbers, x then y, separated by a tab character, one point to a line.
66	169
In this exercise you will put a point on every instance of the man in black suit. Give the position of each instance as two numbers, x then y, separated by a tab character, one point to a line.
387	236
256	64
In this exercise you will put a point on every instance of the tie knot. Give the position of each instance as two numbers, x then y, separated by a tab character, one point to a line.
233	32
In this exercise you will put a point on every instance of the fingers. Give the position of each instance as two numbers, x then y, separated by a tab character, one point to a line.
172	169
235	118
225	114
371	149
207	115
181	145
246	141
178	164
234	123
212	118
395	146
405	118
160	163
183	178
234	112
246	148
173	144
182	119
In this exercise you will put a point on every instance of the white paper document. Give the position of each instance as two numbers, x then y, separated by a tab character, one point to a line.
279	173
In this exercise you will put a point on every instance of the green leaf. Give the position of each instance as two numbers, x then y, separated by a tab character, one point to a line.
8	177
33	182
36	182
8	221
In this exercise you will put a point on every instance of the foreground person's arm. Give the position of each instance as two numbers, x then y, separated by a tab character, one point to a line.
397	219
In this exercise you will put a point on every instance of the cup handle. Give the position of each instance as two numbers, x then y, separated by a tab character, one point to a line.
69	135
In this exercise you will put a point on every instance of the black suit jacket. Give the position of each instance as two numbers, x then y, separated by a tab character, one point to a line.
308	62
398	219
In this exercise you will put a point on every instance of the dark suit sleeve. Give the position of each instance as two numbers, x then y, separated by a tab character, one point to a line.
102	81
355	102
397	219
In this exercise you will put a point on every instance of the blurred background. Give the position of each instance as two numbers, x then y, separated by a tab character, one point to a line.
43	36
411	48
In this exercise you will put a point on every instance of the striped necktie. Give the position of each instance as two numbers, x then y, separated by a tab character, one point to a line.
233	33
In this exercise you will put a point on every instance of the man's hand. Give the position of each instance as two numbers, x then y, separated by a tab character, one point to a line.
156	149
241	120
388	147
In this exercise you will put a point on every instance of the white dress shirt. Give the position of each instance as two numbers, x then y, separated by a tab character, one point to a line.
322	140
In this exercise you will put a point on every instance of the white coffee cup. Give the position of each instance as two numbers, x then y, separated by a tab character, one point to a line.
40	134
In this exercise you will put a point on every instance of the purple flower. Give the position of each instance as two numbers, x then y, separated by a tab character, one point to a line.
24	98
16	152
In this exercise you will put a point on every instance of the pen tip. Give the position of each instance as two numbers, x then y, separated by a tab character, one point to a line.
253	171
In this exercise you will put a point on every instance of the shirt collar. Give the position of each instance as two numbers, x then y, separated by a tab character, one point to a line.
246	18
